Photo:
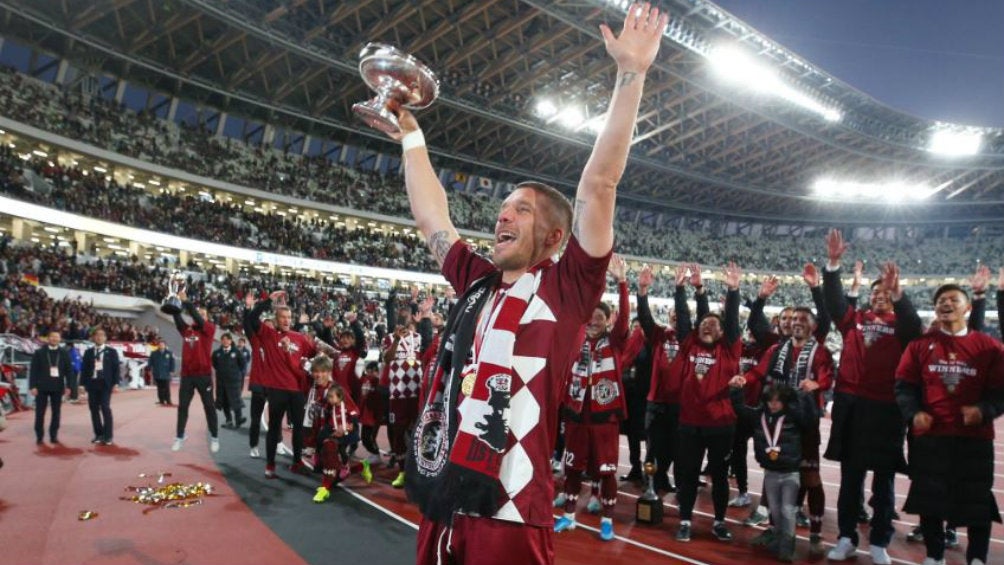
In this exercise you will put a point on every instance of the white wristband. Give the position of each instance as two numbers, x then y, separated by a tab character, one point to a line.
412	140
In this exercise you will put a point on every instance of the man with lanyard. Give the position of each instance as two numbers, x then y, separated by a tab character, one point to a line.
480	467
801	362
662	415
229	365
162	367
593	407
950	388
48	376
867	431
196	370
100	375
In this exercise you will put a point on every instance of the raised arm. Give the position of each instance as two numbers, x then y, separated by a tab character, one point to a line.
700	296
426	194
758	323
810	274
908	323
645	279
621	330
253	310
833	288
634	50
978	315
731	325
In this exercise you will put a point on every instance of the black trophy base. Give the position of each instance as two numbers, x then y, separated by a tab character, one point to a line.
170	308
649	511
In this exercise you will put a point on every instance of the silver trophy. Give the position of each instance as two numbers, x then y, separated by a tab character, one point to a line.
399	80
172	304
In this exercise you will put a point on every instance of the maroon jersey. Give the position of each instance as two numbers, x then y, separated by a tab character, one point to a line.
702	374
197	350
665	348
285	352
345	371
953	371
544	343
871	352
403	374
257	362
370	401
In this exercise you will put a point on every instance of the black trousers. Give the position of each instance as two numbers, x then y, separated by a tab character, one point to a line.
229	394
100	403
662	431
73	383
204	385
163	391
282	402
694	442
257	408
42	401
883	503
740	448
934	539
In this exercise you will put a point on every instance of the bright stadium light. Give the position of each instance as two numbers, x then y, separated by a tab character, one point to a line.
893	191
545	108
570	117
737	67
955	143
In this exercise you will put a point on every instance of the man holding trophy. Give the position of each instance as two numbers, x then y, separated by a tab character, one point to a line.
480	464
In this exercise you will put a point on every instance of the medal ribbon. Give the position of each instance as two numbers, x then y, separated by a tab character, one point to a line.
772	439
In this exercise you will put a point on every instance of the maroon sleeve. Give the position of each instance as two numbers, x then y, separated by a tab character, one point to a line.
581	281
755	375
848	322
621	330
209	330
823	368
462	266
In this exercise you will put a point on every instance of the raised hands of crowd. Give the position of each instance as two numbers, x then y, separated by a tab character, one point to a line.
835	246
890	280
859	270
695	275
278	297
733	274
645	279
769	286
810	274
681	274
617	268
980	279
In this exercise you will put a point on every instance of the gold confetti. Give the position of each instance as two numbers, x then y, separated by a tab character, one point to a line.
174	495
86	515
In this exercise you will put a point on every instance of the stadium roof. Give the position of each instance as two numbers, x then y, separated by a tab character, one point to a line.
702	144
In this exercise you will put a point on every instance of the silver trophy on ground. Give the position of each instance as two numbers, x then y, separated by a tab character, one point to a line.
399	80
172	304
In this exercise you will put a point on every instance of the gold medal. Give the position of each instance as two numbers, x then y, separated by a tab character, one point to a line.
773	455
467	386
411	360
951	389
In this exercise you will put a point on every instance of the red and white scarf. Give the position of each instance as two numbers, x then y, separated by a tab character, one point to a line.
598	371
459	442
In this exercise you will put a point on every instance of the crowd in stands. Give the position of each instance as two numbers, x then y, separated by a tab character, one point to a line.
192	148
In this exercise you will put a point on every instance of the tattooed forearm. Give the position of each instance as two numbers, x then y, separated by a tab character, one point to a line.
626	79
439	244
577	215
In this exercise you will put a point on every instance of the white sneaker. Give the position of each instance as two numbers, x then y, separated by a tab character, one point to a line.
844	550
283	450
741	501
560	500
977	562
594	506
214	445
880	556
178	442
933	561
255	454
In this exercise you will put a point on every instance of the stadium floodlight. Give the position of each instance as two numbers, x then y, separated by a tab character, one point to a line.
569	117
737	67
955	143
545	108
594	124
893	191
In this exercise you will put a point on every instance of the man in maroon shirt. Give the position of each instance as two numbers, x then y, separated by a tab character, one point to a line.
708	360
480	468
867	431
950	388
196	370
285	381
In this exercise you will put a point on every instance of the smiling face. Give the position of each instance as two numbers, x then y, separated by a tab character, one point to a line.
597	324
880	300
802	325
710	330
950	309
784	322
530	227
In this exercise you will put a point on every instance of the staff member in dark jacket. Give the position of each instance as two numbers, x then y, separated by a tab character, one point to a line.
47	378
162	368
100	375
229	365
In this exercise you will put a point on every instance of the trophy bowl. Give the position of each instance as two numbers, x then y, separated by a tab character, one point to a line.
398	80
171	305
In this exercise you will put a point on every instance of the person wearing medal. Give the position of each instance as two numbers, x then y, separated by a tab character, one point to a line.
800	362
402	374
950	388
709	360
867	432
480	466
780	423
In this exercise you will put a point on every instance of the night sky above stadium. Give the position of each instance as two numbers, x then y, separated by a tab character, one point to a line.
934	59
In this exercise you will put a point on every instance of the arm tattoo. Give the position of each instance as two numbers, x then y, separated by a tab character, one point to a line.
579	205
439	244
627	79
